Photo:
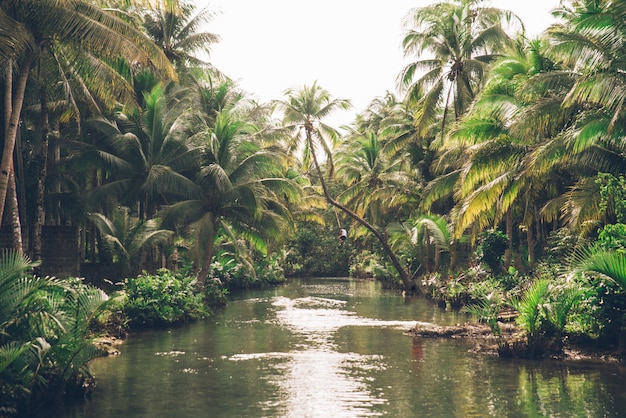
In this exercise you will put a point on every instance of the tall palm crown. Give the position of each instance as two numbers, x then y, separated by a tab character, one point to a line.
176	31
303	113
589	43
240	186
375	183
460	39
143	157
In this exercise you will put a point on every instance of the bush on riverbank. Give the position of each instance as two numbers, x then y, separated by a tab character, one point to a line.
167	297
550	307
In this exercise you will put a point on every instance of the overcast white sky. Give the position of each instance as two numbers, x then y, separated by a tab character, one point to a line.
352	48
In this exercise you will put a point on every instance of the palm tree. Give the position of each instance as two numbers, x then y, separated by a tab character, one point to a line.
77	25
143	155
496	181
129	238
422	238
240	187
375	184
588	105
175	29
462	38
303	112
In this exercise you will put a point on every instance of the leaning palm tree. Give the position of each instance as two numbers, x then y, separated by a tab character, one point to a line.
240	187
303	112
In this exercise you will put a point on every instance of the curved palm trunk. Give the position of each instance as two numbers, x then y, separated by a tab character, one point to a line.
405	277
11	131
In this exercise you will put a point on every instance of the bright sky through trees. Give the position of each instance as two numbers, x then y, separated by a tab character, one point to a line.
351	47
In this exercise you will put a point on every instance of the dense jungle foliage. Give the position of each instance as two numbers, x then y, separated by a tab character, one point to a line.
494	179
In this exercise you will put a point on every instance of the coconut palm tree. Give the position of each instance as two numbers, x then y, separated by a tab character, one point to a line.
303	112
375	184
79	26
176	30
129	238
240	187
495	182
461	38
590	101
143	155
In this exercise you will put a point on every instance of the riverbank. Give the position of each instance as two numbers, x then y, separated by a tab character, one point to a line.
512	343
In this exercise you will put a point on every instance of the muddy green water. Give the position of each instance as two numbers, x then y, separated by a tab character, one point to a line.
334	348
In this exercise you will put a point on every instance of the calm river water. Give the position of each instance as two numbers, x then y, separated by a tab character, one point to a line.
334	348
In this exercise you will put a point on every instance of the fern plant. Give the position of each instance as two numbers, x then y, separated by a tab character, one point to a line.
531	308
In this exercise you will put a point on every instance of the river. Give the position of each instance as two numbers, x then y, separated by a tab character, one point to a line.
334	348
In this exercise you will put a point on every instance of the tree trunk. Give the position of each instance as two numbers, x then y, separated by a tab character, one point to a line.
206	263
55	217
427	252
40	213
508	253
404	276
11	132
14	215
531	246
453	255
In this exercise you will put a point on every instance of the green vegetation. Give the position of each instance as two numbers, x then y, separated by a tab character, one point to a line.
45	335
497	181
161	299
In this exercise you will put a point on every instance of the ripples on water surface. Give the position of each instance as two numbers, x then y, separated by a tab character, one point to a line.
334	348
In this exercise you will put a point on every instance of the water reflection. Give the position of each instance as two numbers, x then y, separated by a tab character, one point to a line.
325	348
315	379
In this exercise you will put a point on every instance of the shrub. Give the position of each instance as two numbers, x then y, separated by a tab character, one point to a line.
491	248
161	299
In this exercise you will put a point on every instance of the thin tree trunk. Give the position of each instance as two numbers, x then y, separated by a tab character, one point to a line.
531	246
18	172
508	253
453	254
11	133
427	252
40	213
13	206
539	236
14	215
404	276
55	217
